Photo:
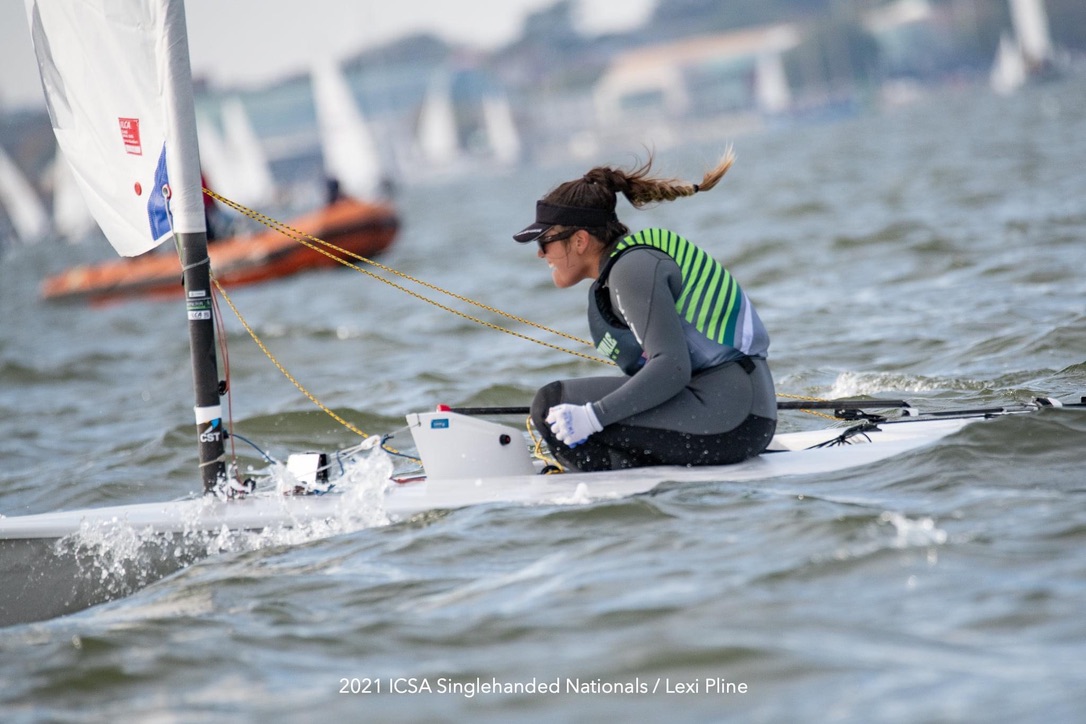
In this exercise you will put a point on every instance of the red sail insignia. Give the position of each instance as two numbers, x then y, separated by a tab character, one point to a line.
130	134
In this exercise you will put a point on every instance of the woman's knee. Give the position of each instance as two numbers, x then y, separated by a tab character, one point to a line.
545	398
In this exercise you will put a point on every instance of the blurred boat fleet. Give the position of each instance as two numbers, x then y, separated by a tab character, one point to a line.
413	113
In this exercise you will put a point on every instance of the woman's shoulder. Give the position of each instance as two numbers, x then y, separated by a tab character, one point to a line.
658	238
648	243
652	236
637	263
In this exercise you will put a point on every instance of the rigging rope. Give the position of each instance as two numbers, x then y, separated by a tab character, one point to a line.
312	242
274	361
816	413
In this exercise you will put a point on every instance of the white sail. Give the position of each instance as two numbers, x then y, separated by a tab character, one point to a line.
71	217
109	84
771	84
350	152
1031	30
1009	69
21	202
234	162
216	162
252	172
501	130
437	134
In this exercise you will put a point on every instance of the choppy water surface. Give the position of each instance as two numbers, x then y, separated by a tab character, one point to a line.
934	253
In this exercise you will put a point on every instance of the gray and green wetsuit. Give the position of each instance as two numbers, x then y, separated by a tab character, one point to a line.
698	389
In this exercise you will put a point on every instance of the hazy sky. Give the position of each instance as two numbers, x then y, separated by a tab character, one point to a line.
254	40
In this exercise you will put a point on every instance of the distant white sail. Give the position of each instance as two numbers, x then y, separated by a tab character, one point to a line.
21	202
437	135
234	162
771	84
501	130
1009	69
216	164
109	69
71	217
1031	30
253	174
350	152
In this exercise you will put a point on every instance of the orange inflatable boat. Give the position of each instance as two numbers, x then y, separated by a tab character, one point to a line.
360	227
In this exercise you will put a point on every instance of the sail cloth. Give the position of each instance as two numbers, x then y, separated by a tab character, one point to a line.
236	165
72	219
118	87
19	199
347	143
437	133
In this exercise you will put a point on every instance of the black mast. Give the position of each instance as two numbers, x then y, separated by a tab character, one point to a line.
205	370
190	229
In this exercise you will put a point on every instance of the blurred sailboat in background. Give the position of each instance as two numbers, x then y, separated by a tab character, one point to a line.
349	150
72	219
501	131
456	136
24	208
234	162
1009	69
438	140
1028	53
772	91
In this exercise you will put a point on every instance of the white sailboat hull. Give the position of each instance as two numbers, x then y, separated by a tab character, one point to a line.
62	562
398	501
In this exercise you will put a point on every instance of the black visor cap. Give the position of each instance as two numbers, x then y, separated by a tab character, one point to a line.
548	215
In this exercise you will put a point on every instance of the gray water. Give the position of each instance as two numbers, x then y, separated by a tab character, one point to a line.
934	253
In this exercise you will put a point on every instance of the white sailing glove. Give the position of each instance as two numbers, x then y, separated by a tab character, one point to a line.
572	424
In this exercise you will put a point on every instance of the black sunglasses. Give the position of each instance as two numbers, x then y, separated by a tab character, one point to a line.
557	237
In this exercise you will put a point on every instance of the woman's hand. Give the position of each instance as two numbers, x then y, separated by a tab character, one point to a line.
572	424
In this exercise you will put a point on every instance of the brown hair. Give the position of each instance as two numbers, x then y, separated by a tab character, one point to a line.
599	189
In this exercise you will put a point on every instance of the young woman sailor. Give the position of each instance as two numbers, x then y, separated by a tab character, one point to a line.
698	389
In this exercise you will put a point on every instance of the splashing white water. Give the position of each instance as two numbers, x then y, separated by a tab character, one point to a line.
579	496
919	532
118	557
857	384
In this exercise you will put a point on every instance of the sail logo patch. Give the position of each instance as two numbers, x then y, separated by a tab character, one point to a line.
130	135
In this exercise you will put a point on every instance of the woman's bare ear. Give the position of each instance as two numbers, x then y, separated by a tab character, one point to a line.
582	239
